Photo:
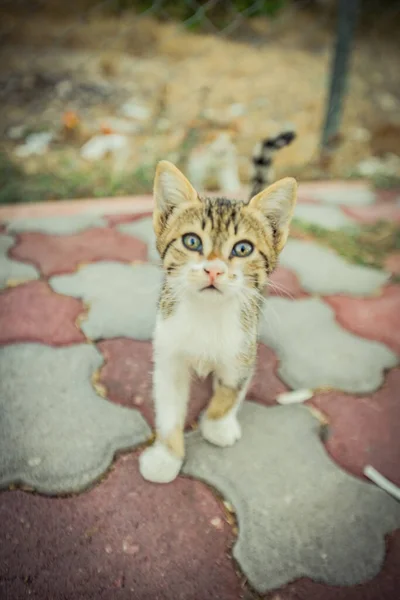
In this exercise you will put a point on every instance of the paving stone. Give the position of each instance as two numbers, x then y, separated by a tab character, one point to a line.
62	254
299	514
32	312
119	219
385	586
127	377
392	263
342	194
322	271
56	433
388	211
328	217
266	385
125	538
143	230
284	282
364	430
314	351
122	298
57	225
373	318
11	270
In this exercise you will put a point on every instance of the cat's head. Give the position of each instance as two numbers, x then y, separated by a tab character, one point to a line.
215	248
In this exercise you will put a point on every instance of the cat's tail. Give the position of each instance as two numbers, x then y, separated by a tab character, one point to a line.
262	158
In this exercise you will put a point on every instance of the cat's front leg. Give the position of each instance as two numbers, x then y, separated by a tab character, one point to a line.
162	462
219	424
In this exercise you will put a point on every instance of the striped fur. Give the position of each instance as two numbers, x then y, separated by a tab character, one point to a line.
208	323
262	160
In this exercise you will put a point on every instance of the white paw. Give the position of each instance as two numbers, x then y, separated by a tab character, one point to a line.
221	432
158	464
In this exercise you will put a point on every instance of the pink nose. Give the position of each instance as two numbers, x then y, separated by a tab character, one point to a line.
213	272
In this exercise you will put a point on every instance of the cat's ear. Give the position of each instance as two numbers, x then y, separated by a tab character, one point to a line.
277	203
171	188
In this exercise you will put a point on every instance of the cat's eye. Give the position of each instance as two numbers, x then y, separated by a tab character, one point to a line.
242	249
191	241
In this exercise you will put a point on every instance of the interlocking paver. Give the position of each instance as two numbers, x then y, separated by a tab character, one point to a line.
62	254
342	193
11	270
285	283
119	219
384	586
57	225
322	271
364	430
299	514
266	385
125	538
315	351
56	433
122	298
382	211
32	312
127	377
143	230
373	318
328	217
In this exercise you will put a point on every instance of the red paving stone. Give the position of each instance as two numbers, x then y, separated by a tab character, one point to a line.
384	211
392	263
32	312
266	384
285	283
124	539
127	376
365	429
385	586
54	254
125	218
373	318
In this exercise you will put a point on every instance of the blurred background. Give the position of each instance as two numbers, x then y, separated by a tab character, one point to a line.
94	92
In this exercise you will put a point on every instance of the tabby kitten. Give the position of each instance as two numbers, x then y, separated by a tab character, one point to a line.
217	256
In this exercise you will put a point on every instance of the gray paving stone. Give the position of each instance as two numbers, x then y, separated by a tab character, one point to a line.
344	195
143	230
322	271
122	298
59	225
12	269
328	217
315	351
298	513
56	434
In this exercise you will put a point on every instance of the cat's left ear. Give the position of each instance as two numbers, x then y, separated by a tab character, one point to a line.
171	189
277	203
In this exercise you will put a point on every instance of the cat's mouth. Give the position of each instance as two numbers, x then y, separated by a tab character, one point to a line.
210	288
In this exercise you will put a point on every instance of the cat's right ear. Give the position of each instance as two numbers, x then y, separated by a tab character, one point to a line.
171	189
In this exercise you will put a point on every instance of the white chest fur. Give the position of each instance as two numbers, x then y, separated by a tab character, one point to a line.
203	334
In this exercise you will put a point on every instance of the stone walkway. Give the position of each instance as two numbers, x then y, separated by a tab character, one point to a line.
287	513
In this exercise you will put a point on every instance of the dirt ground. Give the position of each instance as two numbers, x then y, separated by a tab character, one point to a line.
73	72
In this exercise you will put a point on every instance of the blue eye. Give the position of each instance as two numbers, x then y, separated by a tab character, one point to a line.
242	249
191	241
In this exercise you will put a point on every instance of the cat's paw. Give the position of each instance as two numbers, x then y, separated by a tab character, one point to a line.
221	432
158	464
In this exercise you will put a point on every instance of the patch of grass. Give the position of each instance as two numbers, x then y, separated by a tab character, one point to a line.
98	181
368	247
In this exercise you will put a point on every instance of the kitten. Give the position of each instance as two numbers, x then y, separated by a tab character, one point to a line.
217	256
215	159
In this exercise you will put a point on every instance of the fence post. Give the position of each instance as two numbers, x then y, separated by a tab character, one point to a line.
346	22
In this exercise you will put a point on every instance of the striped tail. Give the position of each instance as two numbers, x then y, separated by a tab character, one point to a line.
262	160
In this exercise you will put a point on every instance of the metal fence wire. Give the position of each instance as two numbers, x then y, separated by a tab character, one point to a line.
159	71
